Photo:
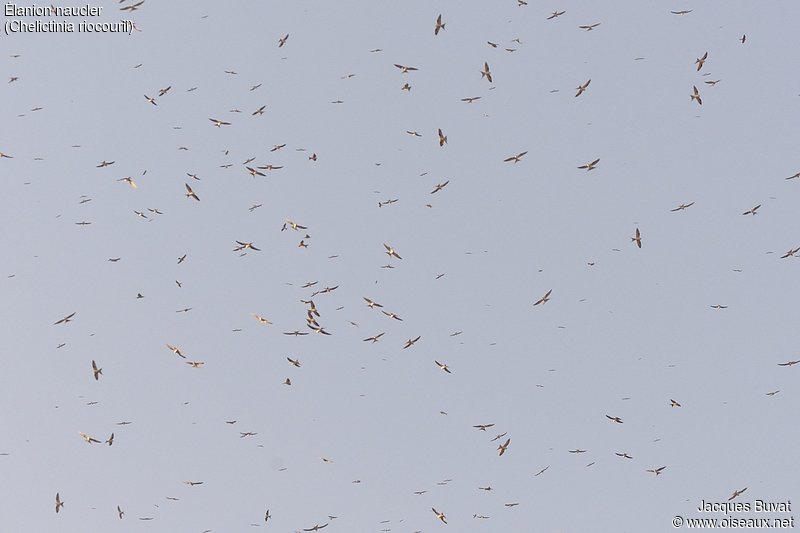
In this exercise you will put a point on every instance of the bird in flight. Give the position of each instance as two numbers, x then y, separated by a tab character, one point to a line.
471	99
590	166
219	123
317	527
789	363
129	181
737	493
439	25
555	14
195	364
582	88
259	111
294	225
623	455
616	419
404	69
440	186
544	299
791	253
682	207
411	342
193	483
589	27
97	371
391	315
542	471
503	447
700	61
683	12
718	306
637	238
151	100
176	350
64	320
515	158
190	193
696	95
673	403
375	338
87	438
657	471
261	319
390	251
283	40
245	246
486	73
294	362
120	512
371	303
105	164
110	440
442	138
439	515
752	211
443	366
483	427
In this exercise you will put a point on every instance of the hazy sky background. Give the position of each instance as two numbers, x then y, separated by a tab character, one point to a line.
625	331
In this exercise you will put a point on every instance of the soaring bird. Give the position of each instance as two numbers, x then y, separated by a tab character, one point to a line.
589	27
682	207
503	447
87	438
555	14
245	246
439	515
700	61
97	371
637	238
590	166
582	88
440	186
696	95
616	419
404	69
444	368
411	342
391	252
442	138
752	211
219	123
120	512
176	350
544	299
151	100
110	440
657	471
190	193
439	25
515	158
737	493
486	73
282	40
64	320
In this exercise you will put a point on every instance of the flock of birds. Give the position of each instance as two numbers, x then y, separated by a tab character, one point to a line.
319	315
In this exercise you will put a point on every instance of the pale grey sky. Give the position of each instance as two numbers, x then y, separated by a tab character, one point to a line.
365	426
